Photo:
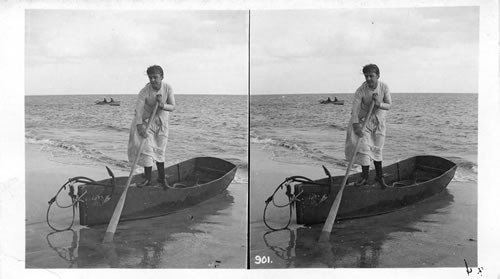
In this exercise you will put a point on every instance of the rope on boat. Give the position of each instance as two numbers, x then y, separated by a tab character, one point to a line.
75	199
292	198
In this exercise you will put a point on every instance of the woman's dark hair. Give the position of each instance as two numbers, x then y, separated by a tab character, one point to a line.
155	69
371	68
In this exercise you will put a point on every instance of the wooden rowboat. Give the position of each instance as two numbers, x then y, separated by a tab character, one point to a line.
114	103
194	181
413	180
339	102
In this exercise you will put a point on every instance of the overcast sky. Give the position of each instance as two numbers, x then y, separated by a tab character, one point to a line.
292	51
323	51
107	52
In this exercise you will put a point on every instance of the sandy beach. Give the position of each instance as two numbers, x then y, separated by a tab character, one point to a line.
211	234
438	232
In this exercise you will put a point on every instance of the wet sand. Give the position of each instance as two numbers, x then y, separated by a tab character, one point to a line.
438	232
211	234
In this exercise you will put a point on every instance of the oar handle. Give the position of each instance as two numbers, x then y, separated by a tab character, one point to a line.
330	220
113	223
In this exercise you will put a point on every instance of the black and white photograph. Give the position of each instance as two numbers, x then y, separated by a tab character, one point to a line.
385	98
249	139
136	139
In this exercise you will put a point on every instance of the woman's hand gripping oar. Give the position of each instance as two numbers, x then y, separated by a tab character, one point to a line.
330	220
110	231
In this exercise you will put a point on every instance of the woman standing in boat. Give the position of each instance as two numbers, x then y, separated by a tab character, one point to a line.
155	92
372	138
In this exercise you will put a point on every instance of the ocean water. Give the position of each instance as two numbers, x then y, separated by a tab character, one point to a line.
298	129
69	136
76	131
295	135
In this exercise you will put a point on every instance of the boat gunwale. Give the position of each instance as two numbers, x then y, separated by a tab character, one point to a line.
453	167
444	172
226	173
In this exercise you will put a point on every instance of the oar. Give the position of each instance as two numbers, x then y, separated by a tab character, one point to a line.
327	227
110	231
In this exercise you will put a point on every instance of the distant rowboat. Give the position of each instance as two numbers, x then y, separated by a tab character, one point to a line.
339	102
114	103
194	181
414	179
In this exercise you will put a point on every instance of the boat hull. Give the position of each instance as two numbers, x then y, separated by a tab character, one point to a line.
332	102
108	103
196	180
415	179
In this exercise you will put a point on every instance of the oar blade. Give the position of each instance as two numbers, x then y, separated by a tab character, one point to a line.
108	237
330	220
324	237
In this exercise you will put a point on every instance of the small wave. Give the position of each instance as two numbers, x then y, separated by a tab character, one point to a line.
466	172
464	164
64	151
323	125
292	146
33	140
299	150
118	129
259	140
338	127
470	166
240	164
279	143
79	150
464	177
240	179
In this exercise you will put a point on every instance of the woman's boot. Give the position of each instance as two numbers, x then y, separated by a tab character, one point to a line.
147	178
161	175
364	176
380	174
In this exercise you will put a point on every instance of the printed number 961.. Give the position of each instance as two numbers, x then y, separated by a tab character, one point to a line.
262	260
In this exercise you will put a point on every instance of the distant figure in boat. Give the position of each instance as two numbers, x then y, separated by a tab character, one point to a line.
155	92
328	100
335	100
372	138
111	100
105	100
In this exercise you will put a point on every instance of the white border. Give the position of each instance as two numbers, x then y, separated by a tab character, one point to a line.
12	240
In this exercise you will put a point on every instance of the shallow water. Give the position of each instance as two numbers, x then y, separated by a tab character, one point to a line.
73	126
438	232
298	129
191	238
295	135
69	136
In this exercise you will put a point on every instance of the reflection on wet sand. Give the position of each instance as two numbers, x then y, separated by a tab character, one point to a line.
285	253
67	254
354	243
137	244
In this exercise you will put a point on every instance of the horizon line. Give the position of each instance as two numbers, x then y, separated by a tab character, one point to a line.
246	94
135	94
349	93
